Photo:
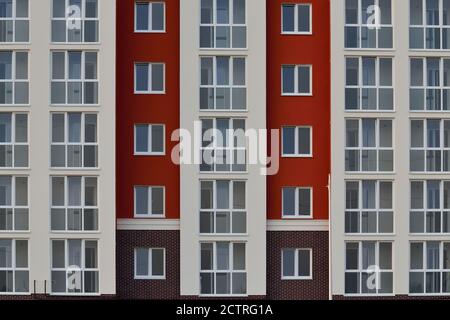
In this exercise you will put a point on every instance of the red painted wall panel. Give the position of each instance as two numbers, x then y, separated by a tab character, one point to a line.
131	109
313	111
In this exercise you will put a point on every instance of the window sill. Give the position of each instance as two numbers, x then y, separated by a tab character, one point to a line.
149	92
297	217
153	217
150	31
150	278
307	156
296	33
142	154
296	278
296	94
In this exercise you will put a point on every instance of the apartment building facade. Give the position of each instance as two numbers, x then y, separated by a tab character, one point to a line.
57	216
389	159
248	149
199	226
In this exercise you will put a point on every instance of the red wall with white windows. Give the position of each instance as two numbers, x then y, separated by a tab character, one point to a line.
146	108
300	111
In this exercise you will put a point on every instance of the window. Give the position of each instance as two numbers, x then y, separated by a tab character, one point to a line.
369	84
362	27
14	268
430	145
430	84
14	21
222	209
74	77
429	268
75	266
149	78
149	202
149	139
297	141
363	261
223	83
223	24
296	80
14	207
296	264
75	21
223	268
223	145
369	145
430	207
150	17
74	140
14	81
74	203
13	140
149	263
296	18
369	207
429	24
297	202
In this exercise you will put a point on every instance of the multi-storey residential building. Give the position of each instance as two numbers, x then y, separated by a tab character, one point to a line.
389	158
57	199
279	149
200	229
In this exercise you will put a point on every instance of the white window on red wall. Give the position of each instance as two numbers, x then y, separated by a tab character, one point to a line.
296	18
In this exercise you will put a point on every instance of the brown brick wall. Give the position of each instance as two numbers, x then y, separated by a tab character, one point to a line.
127	286
315	289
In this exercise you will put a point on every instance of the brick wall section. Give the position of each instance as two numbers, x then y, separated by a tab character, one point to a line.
315	289
127	286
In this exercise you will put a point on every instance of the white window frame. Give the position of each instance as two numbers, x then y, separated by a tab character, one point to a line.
230	85
66	142
426	270
13	207
214	210
296	93
150	69
150	11
361	25
149	214
13	80
82	79
150	271
229	271
377	147
360	271
82	268
13	19
81	20
296	5
424	26
230	25
66	207
13	142
425	85
425	210
378	87
150	146
14	268
297	154
377	210
297	215
425	147
296	261
231	147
